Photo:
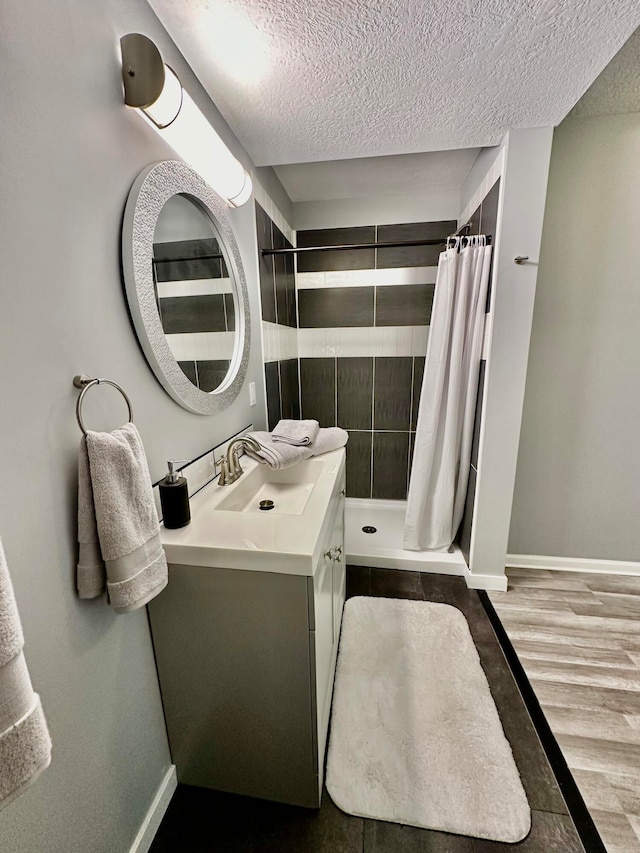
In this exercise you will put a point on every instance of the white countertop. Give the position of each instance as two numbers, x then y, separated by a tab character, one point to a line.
258	541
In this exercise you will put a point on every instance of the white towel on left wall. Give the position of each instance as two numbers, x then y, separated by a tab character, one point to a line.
25	745
118	527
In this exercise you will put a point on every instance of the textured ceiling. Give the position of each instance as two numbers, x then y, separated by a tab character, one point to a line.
617	89
307	80
377	176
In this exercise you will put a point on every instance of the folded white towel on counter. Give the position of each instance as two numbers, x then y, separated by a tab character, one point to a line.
276	456
295	432
328	439
118	527
25	745
280	455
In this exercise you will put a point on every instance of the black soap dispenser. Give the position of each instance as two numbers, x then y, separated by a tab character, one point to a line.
174	499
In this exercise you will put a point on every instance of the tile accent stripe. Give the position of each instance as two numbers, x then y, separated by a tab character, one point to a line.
279	343
204	346
194	287
366	278
355	342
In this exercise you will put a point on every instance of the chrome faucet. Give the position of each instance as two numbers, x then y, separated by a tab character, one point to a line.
230	468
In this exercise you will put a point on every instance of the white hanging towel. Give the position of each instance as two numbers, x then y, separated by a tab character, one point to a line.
444	431
118	527
25	745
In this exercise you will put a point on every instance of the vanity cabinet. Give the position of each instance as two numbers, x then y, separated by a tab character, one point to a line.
246	661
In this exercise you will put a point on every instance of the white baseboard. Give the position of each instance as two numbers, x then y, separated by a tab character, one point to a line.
154	816
497	583
572	564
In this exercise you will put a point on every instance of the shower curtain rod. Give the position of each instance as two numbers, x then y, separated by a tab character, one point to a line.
393	244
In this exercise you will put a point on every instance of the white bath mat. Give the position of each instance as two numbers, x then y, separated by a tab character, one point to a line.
415	734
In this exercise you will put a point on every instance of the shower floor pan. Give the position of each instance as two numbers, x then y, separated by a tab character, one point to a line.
383	548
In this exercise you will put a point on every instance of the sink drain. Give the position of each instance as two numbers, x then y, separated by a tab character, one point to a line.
369	529
265	505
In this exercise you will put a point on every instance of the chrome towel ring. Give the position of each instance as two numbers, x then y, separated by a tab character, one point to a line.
85	382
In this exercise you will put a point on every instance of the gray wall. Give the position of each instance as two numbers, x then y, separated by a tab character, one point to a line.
70	151
578	481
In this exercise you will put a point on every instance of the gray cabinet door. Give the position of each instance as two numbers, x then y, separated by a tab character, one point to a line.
233	659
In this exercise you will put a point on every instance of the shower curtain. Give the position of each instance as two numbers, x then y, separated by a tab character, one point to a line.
444	432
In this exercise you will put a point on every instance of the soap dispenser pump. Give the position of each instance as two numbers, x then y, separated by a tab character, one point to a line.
174	499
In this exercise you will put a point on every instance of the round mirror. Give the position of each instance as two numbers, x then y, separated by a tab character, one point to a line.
185	286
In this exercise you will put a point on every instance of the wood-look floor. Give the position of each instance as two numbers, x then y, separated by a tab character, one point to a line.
577	636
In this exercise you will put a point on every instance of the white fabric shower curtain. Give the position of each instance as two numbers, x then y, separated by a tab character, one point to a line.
444	432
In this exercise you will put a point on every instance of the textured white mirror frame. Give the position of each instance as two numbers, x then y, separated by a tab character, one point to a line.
153	187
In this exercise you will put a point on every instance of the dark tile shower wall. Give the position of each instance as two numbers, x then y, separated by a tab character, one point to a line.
345	259
289	388
484	221
278	299
368	373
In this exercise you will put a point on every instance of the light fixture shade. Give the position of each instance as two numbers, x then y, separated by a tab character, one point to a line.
245	193
193	138
166	108
174	115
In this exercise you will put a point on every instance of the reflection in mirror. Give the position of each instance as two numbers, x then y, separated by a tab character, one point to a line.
187	303
194	292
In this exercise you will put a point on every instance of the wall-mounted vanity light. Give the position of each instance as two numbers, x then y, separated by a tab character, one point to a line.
154	89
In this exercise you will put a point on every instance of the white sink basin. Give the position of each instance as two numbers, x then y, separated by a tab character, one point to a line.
229	530
288	490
